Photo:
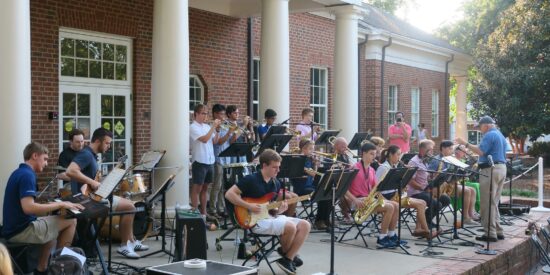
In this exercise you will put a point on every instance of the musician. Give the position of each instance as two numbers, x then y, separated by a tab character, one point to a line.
362	185
390	159
340	145
307	128
419	182
76	143
233	114
492	144
270	116
379	142
437	163
293	231
462	155
400	133
216	200
21	224
83	169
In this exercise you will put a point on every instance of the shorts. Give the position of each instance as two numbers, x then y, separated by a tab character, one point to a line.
202	173
40	231
274	226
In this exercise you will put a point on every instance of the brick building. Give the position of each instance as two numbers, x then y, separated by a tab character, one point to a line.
127	66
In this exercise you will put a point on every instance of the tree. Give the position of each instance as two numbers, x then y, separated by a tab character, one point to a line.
512	71
389	6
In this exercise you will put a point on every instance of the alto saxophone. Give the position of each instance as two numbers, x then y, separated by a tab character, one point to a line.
371	202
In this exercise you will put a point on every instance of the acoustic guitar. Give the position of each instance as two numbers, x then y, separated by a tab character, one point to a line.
248	219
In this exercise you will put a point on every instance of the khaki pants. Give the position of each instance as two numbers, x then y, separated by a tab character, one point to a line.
492	227
217	201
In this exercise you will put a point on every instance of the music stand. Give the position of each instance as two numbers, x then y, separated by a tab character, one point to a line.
275	141
275	130
334	184
405	158
357	139
323	139
237	149
292	166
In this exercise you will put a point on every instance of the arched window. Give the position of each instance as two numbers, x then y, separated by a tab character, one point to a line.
196	91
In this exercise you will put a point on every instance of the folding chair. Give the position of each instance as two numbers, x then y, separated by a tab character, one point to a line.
407	213
360	228
265	245
24	257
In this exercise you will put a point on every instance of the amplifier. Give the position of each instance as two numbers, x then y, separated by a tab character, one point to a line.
190	240
212	268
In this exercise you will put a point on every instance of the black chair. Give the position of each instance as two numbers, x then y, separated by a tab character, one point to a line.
23	256
265	245
374	219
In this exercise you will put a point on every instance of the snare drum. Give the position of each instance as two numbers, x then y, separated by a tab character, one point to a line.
129	187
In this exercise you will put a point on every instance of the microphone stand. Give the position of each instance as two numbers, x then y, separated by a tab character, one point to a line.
488	251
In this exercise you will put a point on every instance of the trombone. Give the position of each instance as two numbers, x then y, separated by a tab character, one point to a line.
348	151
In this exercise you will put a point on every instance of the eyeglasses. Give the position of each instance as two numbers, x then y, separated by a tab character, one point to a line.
204	113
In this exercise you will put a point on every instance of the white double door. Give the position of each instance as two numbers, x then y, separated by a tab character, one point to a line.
89	107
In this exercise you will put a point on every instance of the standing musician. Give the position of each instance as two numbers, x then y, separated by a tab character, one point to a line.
246	131
20	211
400	133
76	144
305	126
270	116
446	149
419	182
379	142
390	159
362	185
492	144
293	231
83	170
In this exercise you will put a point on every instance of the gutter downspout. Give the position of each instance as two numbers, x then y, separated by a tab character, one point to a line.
382	87
447	94
250	65
359	81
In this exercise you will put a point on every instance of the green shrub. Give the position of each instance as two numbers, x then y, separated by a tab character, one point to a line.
540	149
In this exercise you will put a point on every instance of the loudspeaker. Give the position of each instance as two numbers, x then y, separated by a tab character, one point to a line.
190	240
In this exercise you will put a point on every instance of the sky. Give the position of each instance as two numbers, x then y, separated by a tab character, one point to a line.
428	15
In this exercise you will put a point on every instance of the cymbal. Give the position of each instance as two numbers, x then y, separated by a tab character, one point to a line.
59	168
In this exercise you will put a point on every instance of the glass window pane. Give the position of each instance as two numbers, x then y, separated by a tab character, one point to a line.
255	91
323	78
81	68
256	70
82	48
120	53
108	156
120	106
256	112
69	104
94	50
191	82
107	123
311	72
119	128
67	66
120	71
323	92
106	105
83	105
108	52
119	148
95	69
108	70
84	125
67	47
69	124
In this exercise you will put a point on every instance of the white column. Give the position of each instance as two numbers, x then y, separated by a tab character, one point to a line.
345	111
274	59
15	86
461	129
170	94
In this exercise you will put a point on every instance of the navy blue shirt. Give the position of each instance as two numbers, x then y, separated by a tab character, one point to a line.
66	157
22	183
304	185
262	130
254	186
87	161
493	143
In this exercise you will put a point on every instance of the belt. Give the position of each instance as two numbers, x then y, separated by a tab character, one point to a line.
486	165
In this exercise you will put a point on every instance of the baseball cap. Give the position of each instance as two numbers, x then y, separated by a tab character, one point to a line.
485	120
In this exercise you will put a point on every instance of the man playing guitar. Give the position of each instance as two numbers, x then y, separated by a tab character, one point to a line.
293	231
83	170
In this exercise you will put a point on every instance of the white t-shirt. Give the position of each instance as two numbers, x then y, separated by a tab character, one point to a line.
201	152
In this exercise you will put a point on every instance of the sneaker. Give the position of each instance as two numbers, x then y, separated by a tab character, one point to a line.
127	252
138	246
320	225
385	243
286	265
485	238
347	221
471	222
297	261
394	239
500	236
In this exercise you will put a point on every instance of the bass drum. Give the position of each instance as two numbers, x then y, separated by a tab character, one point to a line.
143	224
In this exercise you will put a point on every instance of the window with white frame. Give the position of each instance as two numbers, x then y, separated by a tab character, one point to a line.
474	137
415	109
392	104
318	95
256	89
435	113
196	92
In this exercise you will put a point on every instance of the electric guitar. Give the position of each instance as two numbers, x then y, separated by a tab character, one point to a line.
248	219
85	189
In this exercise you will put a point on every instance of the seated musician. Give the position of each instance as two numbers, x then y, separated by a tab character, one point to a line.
76	143
340	147
390	159
305	126
21	224
293	231
446	149
362	185
270	116
304	185
83	170
418	186
379	142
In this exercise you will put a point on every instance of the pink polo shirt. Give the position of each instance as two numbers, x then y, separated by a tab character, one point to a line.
403	144
364	181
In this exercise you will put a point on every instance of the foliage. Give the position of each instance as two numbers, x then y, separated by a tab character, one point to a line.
519	193
540	149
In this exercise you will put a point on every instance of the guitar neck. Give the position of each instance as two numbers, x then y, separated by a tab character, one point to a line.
276	204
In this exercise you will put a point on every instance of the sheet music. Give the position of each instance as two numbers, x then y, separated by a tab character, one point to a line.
149	160
454	161
109	183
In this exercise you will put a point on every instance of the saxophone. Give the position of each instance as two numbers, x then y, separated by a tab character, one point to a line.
371	202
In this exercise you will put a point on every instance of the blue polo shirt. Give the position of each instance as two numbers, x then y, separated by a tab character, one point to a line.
22	183
262	129
87	161
493	143
254	186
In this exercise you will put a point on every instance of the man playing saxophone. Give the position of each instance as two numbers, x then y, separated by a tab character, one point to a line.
362	194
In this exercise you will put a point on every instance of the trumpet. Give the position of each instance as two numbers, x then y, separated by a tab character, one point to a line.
293	132
311	170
